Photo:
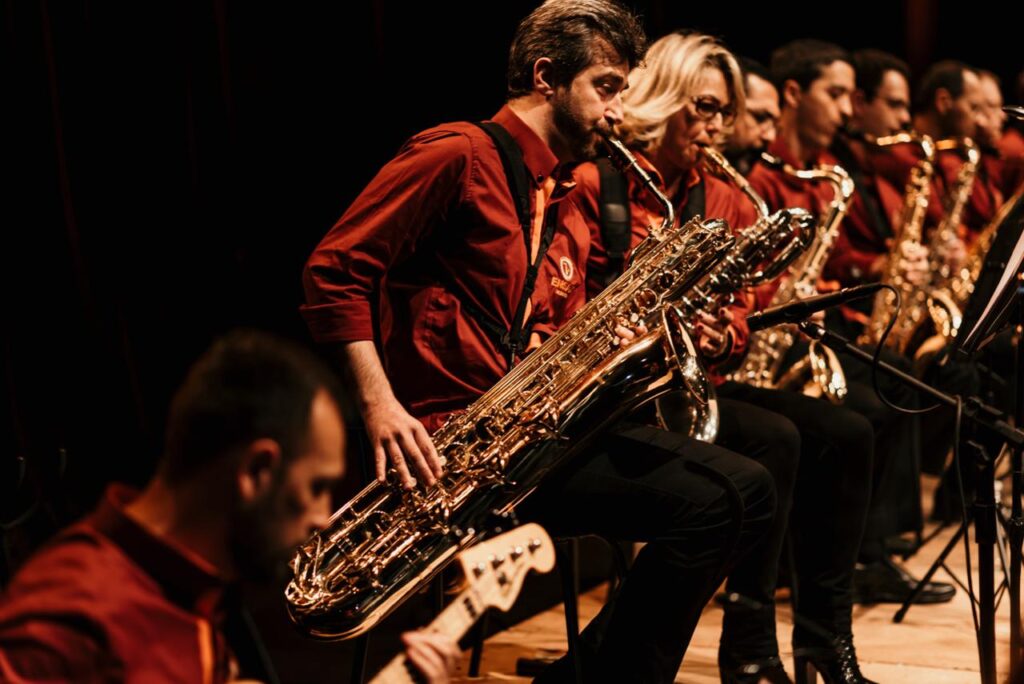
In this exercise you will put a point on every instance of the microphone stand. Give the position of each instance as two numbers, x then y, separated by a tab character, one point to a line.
984	506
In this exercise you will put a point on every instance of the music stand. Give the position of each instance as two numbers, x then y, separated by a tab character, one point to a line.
995	300
990	309
996	304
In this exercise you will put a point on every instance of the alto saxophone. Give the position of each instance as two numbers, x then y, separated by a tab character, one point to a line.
964	281
944	317
819	373
387	542
761	253
945	283
909	232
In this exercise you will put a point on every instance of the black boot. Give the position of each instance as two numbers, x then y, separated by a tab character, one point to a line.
752	671
836	665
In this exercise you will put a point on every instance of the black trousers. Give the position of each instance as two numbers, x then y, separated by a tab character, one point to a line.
896	475
896	478
826	490
698	506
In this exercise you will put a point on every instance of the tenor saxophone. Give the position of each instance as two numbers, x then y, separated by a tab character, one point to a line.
819	373
387	542
761	253
909	230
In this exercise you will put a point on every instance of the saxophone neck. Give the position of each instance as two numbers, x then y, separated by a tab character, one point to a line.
716	159
627	162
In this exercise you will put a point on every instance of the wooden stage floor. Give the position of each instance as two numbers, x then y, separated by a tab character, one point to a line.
934	644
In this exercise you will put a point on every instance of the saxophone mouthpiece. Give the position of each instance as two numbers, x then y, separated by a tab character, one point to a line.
1015	111
771	160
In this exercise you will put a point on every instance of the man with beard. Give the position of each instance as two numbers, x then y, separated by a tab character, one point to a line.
434	264
950	103
140	590
754	129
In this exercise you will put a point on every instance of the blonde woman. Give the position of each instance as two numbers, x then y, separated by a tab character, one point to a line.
690	90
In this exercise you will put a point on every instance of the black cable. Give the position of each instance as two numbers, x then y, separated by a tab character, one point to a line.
876	359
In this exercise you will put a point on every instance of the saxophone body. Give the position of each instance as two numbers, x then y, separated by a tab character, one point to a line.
761	252
819	373
386	542
964	281
914	304
943	293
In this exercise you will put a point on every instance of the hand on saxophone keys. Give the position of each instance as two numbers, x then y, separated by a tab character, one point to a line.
627	331
713	335
400	440
953	253
913	264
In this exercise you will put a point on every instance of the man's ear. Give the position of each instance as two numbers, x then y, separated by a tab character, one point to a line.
257	467
542	77
792	93
943	101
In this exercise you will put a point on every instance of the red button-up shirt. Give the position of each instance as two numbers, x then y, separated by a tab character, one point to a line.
435	229
106	601
780	190
721	200
986	196
861	241
1011	148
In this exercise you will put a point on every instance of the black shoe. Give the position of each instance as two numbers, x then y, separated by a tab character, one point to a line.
753	671
836	665
886	582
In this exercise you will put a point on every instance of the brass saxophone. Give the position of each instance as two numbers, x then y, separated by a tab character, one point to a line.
761	253
964	281
819	373
387	542
944	312
909	231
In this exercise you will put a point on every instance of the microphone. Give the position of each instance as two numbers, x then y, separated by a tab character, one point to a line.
800	309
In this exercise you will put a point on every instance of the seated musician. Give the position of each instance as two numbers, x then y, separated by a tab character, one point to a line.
424	290
818	454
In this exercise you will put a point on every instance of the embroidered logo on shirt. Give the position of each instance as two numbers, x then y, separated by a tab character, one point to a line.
566	267
564	286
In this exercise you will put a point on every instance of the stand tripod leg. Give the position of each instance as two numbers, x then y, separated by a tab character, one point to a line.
985	537
902	612
1015	533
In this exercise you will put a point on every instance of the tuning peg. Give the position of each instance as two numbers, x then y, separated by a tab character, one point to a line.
535	544
496	561
516	552
479	569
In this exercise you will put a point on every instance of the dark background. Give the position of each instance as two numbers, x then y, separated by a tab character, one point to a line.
172	164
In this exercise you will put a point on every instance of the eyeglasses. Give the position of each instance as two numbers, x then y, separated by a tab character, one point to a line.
707	106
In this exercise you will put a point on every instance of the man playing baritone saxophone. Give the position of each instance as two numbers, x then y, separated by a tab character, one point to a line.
816	81
818	454
435	240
